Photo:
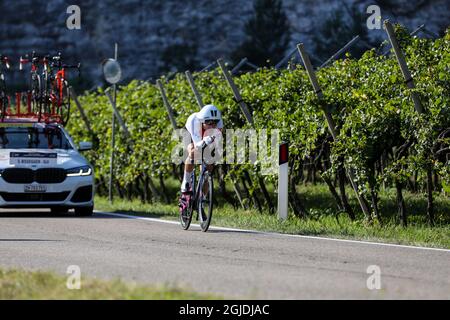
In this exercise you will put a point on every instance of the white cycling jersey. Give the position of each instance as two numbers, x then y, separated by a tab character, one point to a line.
194	126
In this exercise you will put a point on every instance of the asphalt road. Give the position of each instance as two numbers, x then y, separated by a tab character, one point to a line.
230	263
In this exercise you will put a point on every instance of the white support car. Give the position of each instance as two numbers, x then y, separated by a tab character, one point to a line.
41	167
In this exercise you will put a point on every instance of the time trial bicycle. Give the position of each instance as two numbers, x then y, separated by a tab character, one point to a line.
199	199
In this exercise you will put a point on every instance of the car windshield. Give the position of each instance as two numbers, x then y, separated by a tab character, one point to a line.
49	137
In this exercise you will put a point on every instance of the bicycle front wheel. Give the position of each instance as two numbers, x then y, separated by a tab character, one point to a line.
205	202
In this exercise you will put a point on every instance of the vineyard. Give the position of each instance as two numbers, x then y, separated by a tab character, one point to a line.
380	137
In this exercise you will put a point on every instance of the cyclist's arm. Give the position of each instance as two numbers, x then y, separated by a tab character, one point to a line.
194	128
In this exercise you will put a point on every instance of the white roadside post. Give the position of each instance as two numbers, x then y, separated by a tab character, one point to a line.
283	179
112	73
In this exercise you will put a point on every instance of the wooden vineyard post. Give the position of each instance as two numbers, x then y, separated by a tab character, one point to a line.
248	116
403	66
236	93
82	113
417	106
167	105
330	123
197	95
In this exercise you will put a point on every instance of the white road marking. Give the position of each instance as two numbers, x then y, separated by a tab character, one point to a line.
272	233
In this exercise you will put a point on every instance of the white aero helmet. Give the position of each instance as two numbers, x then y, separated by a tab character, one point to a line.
209	112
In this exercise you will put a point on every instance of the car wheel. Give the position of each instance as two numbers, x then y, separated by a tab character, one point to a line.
84	211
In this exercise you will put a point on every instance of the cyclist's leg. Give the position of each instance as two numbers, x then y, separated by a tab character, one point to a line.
188	168
185	187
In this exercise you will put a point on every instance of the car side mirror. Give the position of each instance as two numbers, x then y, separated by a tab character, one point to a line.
84	146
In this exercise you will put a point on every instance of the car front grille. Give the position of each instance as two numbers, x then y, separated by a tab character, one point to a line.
43	175
30	197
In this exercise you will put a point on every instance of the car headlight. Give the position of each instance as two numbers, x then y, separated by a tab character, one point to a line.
79	171
1	172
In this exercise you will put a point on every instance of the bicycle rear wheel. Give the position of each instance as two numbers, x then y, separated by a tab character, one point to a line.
205	202
186	215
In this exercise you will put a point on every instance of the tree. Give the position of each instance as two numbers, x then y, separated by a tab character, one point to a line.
267	34
179	57
338	29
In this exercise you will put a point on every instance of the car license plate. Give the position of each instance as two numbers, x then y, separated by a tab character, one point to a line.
33	158
35	188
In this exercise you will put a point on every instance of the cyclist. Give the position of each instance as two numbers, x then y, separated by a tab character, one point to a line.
199	125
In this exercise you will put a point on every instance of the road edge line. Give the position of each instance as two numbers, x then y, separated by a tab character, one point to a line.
274	233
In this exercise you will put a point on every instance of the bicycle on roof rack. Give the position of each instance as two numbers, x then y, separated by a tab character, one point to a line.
60	87
49	91
4	100
34	106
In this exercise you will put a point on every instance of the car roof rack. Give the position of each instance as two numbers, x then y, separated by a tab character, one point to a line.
17	116
44	119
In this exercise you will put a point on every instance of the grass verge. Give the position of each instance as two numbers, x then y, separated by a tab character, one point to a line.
38	285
